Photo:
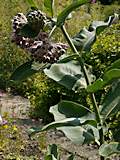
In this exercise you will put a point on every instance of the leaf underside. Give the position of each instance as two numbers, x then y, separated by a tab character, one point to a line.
69	75
86	37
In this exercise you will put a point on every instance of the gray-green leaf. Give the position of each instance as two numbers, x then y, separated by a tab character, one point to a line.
22	72
52	149
68	109
68	74
80	130
107	79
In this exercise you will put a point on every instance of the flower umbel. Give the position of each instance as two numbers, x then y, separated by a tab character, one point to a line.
41	48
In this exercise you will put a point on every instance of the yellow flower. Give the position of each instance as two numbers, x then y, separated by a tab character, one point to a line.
5	126
14	128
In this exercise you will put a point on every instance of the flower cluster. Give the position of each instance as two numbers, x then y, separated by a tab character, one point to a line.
40	47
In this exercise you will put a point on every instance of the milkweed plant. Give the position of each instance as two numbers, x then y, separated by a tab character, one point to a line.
33	32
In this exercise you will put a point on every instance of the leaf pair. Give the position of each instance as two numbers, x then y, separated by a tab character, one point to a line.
76	121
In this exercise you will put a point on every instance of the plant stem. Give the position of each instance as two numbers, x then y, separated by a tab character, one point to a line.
51	32
84	71
83	67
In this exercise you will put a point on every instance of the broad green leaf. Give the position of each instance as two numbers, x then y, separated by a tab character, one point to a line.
72	109
64	14
97	85
86	37
79	130
76	131
101	25
68	109
108	78
61	121
111	102
68	74
69	122
49	5
111	75
22	72
108	149
78	134
32	4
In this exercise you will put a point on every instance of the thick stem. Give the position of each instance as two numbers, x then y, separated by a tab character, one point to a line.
84	71
83	67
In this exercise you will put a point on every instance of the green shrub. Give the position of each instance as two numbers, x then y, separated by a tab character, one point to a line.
44	93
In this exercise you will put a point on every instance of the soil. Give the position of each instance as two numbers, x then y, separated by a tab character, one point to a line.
35	146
